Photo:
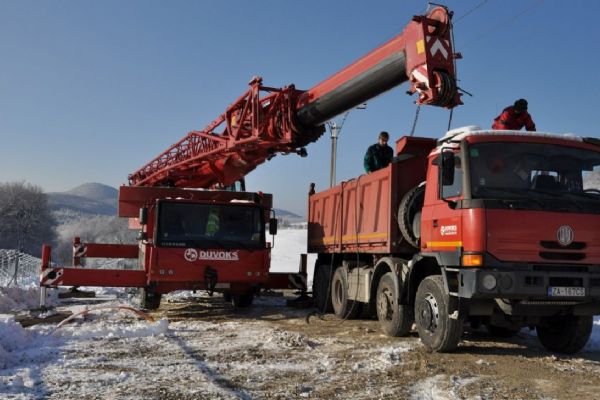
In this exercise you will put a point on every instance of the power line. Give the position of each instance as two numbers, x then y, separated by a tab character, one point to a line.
470	11
505	22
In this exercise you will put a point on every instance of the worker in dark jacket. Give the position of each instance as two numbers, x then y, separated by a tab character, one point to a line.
514	118
379	155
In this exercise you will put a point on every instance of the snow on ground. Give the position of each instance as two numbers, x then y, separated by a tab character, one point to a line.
285	256
188	358
111	354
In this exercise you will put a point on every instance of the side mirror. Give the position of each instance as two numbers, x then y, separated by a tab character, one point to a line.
143	216
273	226
447	168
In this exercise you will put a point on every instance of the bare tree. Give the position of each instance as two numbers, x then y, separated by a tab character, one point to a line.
96	229
25	219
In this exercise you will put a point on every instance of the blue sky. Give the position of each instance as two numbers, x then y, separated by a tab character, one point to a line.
91	91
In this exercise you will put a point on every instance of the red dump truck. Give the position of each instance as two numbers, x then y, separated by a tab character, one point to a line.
494	228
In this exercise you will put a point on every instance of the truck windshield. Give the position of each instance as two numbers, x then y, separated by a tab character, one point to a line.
543	173
209	225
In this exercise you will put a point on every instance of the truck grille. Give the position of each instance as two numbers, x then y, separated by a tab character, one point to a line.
560	256
552	245
564	253
560	268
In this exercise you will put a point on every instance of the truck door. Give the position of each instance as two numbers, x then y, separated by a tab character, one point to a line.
441	231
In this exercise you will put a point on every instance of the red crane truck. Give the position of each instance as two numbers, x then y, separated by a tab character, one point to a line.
175	199
487	227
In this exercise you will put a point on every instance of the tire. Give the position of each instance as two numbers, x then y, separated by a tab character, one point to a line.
565	333
322	288
409	215
243	300
394	319
148	299
437	330
501	331
227	297
342	306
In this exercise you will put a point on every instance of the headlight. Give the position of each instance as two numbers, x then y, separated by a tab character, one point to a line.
489	281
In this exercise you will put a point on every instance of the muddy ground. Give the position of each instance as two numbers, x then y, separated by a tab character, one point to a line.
352	359
269	351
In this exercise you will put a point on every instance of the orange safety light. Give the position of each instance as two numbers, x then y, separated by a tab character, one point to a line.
472	260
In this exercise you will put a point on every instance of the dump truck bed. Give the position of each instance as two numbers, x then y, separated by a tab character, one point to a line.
360	215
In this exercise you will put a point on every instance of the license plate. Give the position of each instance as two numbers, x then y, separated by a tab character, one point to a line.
561	291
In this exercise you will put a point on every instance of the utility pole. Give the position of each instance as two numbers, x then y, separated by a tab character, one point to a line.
335	129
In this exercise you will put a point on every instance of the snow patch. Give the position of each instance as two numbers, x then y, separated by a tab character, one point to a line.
106	330
440	387
21	346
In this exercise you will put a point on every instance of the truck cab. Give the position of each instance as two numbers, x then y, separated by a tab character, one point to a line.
192	239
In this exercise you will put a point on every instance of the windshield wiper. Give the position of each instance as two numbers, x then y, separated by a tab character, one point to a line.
216	241
585	195
521	192
242	245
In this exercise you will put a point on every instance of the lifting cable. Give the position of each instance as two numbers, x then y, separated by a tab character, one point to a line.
414	126
321	313
356	204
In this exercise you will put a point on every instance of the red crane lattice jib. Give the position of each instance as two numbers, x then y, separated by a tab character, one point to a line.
253	129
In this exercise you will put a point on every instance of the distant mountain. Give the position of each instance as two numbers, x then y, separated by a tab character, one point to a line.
290	216
86	199
95	191
99	199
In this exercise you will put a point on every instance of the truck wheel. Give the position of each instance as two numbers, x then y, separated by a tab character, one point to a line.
148	299
409	215
243	300
321	288
227	297
565	333
342	307
394	318
437	330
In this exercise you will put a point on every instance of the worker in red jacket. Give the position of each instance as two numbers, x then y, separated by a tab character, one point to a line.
514	118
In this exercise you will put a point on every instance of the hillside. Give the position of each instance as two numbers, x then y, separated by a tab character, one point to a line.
85	200
98	199
97	191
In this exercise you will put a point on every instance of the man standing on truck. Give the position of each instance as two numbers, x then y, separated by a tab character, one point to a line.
379	155
514	118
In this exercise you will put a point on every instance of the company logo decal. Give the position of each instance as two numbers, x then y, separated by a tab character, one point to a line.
448	230
565	235
218	255
190	255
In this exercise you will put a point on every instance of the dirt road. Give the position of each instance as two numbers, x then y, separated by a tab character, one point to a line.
203	349
329	358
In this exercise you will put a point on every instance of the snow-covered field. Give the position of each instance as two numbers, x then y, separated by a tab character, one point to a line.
200	348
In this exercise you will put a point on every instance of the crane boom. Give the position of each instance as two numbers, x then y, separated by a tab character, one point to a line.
265	121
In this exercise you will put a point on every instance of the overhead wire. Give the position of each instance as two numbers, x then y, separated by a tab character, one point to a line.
505	22
472	10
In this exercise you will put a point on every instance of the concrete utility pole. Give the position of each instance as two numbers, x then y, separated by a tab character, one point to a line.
335	129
